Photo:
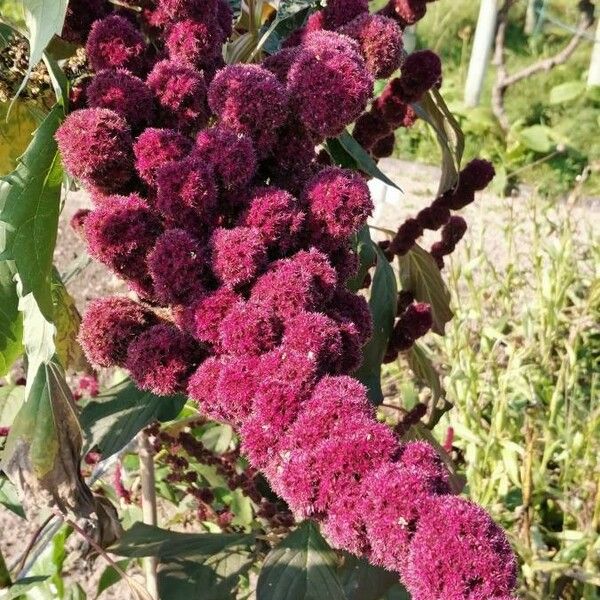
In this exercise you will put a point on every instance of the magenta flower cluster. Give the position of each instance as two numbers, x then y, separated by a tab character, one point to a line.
211	203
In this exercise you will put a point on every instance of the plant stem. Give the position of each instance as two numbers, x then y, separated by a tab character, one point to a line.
5	580
149	513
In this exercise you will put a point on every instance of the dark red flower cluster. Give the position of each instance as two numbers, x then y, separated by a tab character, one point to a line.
212	205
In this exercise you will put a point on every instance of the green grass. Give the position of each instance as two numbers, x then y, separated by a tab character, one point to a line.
448	29
521	364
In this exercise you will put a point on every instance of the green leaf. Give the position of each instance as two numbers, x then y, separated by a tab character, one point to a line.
420	275
110	576
21	587
302	567
11	322
145	540
44	19
31	211
9	497
363	581
348	153
383	303
367	257
59	80
567	92
119	413
433	109
11	399
419	360
537	138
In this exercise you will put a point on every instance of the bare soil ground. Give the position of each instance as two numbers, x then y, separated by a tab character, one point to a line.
487	218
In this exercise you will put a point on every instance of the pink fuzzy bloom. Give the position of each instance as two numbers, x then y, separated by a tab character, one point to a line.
346	263
416	321
79	18
280	63
239	255
339	202
277	215
95	146
77	221
482	566
162	359
288	367
384	148
209	312
316	336
406	237
380	40
114	43
477	175
238	382
423	457
394	498
250	100
346	306
202	388
231	155
121	232
180	90
197	41
329	83
420	72
249	330
125	94
406	12
179	268
187	194
303	282
156	147
109	325
370	128
340	12
177	10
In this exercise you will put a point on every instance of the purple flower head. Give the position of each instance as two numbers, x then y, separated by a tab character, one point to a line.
315	22
177	10
454	231
179	268
316	336
238	382
250	100
346	262
280	63
416	321
303	282
370	128
277	215
249	330
483	564
407	235
162	359
187	194
340	12
156	147
347	306
109	325
420	72
197	41
202	387
289	367
380	40
95	146
114	43
125	94
121	232
239	255
434	216
423	457
225	19
79	18
406	12
477	175
394	497
384	147
339	203
180	90
231	155
209	312
329	83
77	221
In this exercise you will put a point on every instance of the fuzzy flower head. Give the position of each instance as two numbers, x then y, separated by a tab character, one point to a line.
187	194
156	147
96	148
477	175
420	72
114	43
125	94
179	268
249	330
303	282
406	12
347	306
180	91
329	83
237	385
250	100
225	19
384	148
483	564
340	12
79	18
339	203
162	359
109	325
197	41
231	155
277	215
371	127
202	387
280	62
425	459
239	255
177	10
208	313
380	41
